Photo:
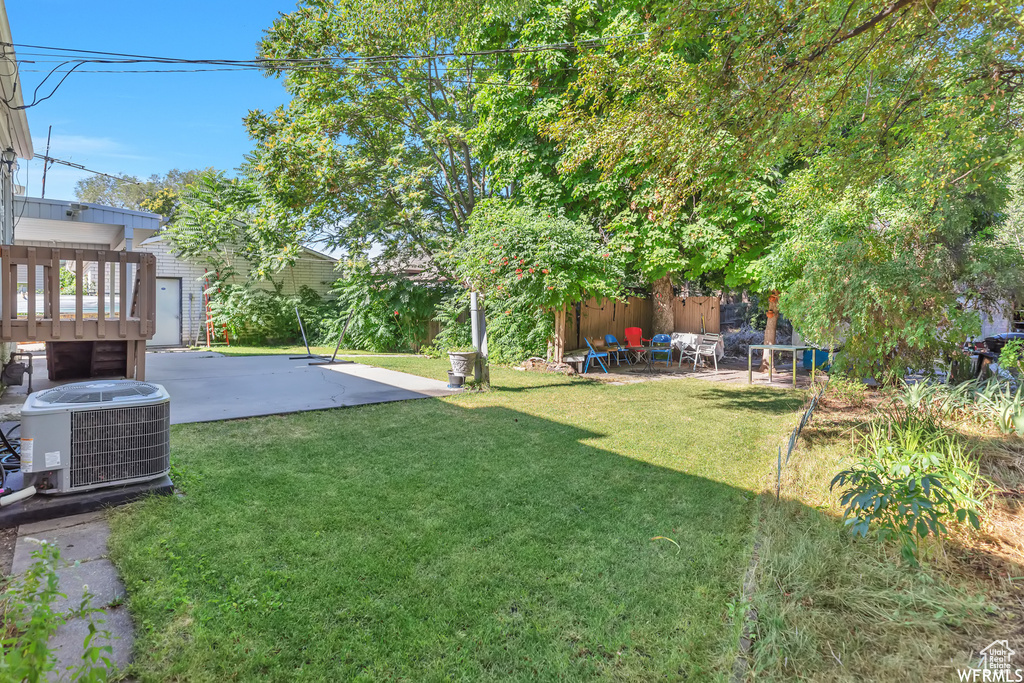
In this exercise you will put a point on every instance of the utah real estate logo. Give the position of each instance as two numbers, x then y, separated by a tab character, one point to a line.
995	665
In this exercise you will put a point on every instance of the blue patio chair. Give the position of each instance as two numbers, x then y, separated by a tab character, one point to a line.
617	350
661	345
594	355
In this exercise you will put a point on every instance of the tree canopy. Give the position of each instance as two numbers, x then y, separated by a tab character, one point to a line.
158	194
741	144
374	152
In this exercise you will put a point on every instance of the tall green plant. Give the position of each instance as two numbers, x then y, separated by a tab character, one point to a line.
390	312
1011	357
67	281
528	262
912	478
257	315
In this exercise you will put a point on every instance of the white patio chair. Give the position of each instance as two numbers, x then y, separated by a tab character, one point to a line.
707	346
686	342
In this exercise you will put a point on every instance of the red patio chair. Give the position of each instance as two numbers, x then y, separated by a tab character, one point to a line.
635	342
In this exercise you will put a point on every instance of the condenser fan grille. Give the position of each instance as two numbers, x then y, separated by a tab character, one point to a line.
114	444
96	392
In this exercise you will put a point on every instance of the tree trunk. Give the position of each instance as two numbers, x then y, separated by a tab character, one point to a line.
769	329
559	341
664	306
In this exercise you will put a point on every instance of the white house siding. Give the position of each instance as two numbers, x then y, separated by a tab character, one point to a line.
310	270
995	324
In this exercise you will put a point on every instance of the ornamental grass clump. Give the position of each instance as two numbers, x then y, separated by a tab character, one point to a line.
991	403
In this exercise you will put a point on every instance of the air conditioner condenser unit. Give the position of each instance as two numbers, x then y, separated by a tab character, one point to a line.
89	435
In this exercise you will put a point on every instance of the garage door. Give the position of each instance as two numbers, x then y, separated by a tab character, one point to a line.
168	312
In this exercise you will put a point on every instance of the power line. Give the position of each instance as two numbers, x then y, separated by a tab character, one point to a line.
52	160
279	64
269	62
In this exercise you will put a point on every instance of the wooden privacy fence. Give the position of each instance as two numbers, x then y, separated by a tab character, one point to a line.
42	319
598	318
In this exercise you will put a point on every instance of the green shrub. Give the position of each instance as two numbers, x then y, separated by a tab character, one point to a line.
1011	358
390	312
911	479
267	316
992	402
846	390
67	281
452	315
516	328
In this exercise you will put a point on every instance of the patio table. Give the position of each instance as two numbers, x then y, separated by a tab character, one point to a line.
644	353
775	347
690	340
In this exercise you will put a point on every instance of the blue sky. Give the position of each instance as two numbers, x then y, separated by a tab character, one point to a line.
140	124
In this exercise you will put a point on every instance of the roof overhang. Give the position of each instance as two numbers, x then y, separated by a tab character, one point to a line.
15	133
74	223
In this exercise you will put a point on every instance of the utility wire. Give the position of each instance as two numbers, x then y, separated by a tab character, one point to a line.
52	160
270	61
279	64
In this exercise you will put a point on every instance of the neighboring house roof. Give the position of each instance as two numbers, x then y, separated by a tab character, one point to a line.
14	131
315	254
416	268
83	212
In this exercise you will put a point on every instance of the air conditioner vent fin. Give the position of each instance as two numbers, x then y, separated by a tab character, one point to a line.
96	392
114	444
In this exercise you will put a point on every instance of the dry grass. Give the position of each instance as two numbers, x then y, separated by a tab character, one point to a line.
830	607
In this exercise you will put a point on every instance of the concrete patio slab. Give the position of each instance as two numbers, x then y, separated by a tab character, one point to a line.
84	567
730	371
77	543
207	386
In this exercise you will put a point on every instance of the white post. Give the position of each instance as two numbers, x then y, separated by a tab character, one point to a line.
478	325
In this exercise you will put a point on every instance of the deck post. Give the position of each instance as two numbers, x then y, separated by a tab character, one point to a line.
140	360
31	292
113	288
5	262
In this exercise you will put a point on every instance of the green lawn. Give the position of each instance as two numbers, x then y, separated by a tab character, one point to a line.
504	535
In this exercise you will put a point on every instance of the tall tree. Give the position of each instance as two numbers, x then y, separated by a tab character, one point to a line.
374	151
158	194
858	96
230	224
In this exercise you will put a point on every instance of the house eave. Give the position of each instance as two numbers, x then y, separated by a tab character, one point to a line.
17	134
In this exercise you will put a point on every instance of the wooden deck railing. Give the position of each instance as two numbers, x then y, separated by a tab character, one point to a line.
122	321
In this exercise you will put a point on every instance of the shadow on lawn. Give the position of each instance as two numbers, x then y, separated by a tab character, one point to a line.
762	400
503	389
429	540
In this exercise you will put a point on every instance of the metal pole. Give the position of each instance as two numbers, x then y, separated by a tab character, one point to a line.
46	163
485	370
302	329
750	365
794	367
474	319
334	357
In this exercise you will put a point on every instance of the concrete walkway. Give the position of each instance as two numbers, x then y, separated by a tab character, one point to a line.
82	540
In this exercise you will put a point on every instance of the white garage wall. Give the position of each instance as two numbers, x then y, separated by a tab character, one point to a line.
310	270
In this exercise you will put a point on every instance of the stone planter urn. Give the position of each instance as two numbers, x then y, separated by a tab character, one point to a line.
462	362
